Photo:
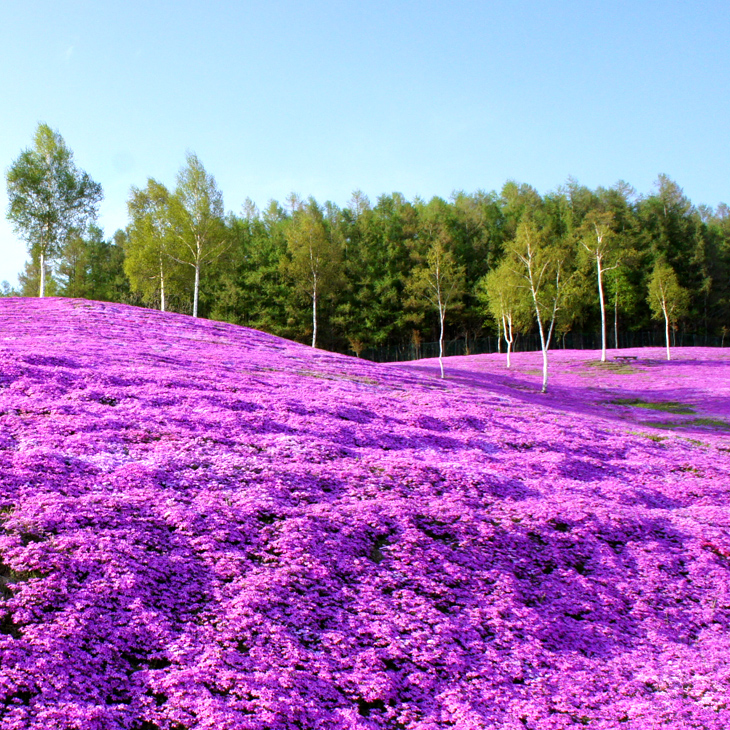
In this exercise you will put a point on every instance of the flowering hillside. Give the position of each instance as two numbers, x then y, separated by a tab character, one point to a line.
203	526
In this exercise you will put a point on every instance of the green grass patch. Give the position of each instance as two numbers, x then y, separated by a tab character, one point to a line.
692	422
621	368
651	436
712	422
666	406
332	376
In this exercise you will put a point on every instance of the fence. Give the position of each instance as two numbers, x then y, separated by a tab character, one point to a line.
526	343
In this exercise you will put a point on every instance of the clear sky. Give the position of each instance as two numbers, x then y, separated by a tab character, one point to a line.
322	98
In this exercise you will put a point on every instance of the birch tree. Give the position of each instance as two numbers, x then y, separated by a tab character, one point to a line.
621	293
314	260
667	298
502	292
49	198
147	262
541	266
196	218
598	241
441	282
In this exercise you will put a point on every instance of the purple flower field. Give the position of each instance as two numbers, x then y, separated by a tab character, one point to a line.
204	526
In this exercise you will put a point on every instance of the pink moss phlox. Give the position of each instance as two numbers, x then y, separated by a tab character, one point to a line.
204	526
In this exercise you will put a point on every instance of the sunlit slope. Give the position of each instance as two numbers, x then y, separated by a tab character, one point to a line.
209	527
688	396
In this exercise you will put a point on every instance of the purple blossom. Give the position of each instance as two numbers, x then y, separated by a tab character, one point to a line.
204	526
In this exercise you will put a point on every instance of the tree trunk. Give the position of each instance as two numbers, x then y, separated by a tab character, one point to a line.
162	288
442	315
43	276
603	309
615	322
314	318
195	292
545	341
544	363
508	337
666	331
543	344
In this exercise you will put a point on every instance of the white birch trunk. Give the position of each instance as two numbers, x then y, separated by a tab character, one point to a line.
162	287
603	308
442	315
195	291
543	347
314	317
510	340
43	276
666	329
508	336
503	333
543	344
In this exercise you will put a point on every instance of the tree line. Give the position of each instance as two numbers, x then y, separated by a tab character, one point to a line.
387	272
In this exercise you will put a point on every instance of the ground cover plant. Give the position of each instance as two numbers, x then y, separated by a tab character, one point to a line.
203	526
669	406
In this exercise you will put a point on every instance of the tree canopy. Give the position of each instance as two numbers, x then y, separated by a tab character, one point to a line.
668	300
49	198
355	278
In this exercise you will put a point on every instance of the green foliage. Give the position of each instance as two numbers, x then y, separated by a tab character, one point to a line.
195	221
247	283
541	264
29	280
151	270
314	257
93	268
379	252
665	406
666	297
439	281
541	261
49	199
363	276
505	299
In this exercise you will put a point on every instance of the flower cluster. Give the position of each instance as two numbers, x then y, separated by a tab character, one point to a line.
204	526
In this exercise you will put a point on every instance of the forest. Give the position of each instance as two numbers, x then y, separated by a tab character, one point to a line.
379	273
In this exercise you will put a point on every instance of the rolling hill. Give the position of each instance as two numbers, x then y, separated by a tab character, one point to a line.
205	526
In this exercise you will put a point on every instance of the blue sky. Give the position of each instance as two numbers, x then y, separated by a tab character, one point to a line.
322	98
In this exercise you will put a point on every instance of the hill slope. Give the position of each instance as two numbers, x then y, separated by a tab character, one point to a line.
204	526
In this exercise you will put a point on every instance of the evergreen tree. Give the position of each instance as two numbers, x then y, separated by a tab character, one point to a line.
92	268
248	286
